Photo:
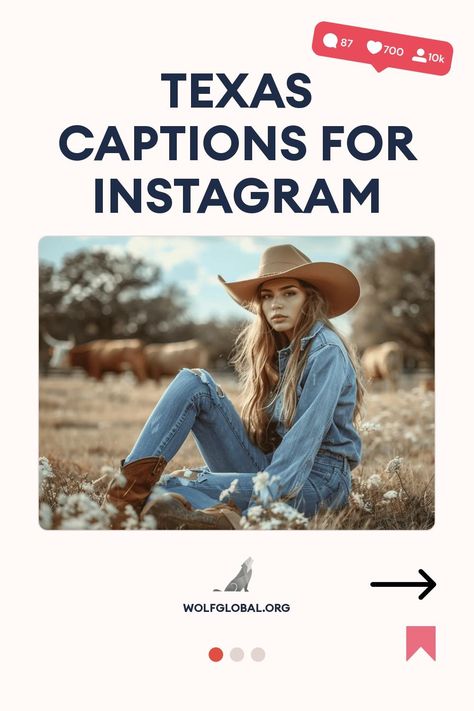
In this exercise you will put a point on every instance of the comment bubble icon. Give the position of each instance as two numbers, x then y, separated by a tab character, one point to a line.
330	40
374	47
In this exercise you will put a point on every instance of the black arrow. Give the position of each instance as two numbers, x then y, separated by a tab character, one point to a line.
429	584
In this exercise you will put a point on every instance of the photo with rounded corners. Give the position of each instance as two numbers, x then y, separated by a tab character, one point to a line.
236	383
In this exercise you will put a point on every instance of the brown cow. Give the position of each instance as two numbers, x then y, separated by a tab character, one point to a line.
102	356
383	362
169	358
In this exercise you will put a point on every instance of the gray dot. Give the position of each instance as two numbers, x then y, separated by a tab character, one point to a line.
236	654
257	654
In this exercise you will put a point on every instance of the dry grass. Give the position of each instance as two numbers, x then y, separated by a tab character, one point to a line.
87	427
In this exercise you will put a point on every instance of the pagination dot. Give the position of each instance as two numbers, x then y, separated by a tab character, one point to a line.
216	654
257	654
236	654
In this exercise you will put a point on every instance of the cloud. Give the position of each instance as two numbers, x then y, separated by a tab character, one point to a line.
117	250
251	245
168	252
201	279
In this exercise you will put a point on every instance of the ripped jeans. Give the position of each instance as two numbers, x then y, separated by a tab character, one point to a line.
194	402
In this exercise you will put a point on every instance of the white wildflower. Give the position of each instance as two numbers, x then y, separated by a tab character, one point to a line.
276	516
370	427
268	525
358	499
233	485
45	469
261	487
279	507
287	512
389	495
394	466
148	522
120	479
45	516
109	509
255	512
374	481
260	481
107	470
225	493
78	511
275	522
131	522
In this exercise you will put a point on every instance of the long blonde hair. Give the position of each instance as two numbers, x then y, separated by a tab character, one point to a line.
255	360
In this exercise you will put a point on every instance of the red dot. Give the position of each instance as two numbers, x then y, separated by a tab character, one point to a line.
216	654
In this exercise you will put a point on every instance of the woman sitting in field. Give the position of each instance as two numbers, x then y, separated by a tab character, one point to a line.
300	393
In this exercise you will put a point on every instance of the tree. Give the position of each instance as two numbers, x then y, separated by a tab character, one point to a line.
97	294
397	296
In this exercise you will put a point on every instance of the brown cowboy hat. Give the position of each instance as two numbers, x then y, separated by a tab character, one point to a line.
336	283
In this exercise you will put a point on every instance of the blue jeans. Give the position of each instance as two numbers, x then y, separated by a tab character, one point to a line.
194	402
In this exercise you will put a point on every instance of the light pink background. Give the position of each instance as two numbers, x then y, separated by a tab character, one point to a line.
84	612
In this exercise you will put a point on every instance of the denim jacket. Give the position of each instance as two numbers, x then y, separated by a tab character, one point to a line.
326	397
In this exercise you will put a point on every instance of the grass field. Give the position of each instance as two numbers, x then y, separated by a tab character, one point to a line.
86	427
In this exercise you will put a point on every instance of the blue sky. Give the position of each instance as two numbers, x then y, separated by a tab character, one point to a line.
194	262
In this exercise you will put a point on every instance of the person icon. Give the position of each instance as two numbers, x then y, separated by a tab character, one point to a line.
420	56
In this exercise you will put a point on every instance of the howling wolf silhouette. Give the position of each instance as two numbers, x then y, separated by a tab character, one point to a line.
241	580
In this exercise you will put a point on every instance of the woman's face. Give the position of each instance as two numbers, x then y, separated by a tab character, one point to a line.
282	300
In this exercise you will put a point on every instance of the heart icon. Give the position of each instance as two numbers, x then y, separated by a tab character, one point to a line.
374	47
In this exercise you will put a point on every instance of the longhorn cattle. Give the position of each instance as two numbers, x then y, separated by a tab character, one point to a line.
383	362
101	356
169	358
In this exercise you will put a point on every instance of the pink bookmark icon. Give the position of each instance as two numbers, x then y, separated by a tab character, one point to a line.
421	638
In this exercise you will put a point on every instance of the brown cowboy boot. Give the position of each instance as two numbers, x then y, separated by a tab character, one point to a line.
133	483
173	511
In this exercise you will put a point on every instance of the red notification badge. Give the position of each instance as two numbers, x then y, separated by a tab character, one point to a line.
382	49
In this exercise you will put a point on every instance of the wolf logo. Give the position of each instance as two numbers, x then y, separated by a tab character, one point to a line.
241	580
